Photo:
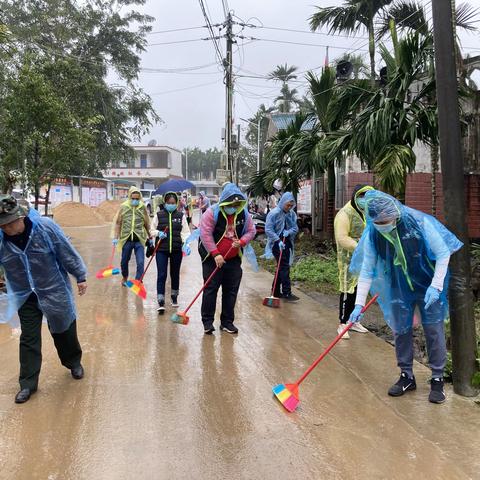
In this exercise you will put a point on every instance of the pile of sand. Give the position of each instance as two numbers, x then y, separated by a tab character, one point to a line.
73	214
108	209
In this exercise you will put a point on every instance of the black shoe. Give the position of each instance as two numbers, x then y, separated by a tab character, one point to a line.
24	395
77	372
174	301
437	394
161	307
290	297
229	328
404	384
209	330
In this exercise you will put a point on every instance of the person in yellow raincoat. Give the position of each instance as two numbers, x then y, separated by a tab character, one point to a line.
348	226
130	231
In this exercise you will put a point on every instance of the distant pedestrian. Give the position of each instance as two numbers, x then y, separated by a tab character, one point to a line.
281	229
349	225
203	203
170	227
131	228
37	258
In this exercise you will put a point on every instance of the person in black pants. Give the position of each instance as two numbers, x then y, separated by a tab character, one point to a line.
37	258
171	229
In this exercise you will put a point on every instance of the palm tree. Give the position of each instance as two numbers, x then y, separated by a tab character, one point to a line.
360	68
286	98
283	73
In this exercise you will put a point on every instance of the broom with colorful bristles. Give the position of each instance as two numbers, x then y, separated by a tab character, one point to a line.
137	286
108	271
181	317
287	394
272	300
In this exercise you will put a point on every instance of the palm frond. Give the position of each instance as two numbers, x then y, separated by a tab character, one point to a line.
392	167
345	19
466	17
407	15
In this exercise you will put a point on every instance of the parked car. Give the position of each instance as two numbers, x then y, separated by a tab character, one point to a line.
147	197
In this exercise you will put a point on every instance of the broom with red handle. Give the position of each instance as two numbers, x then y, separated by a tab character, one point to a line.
109	271
181	317
287	394
272	300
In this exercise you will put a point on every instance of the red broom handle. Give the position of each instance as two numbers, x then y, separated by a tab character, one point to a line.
278	269
112	255
337	338
153	256
209	279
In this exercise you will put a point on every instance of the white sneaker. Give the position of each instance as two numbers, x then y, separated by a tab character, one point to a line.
359	328
340	329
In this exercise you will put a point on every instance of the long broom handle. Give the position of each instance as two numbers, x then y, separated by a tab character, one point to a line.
209	279
153	256
112	256
337	338
278	269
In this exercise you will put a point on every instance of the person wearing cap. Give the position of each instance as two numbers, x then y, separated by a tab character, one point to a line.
403	257
226	230
37	259
348	227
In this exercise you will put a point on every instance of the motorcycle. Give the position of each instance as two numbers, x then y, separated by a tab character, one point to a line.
259	220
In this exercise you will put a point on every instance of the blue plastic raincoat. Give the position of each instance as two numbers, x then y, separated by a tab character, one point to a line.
229	190
277	222
401	263
42	268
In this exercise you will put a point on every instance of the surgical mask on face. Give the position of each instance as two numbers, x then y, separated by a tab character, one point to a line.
361	202
230	210
386	228
135	203
170	207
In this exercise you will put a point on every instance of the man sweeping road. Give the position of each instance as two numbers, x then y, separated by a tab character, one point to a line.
37	258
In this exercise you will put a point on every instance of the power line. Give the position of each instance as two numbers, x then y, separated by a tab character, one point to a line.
186	88
218	52
293	30
296	43
177	30
177	70
178	41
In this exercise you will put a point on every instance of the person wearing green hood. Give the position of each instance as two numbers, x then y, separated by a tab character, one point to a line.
131	231
348	226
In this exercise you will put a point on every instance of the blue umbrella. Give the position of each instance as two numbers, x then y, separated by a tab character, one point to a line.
173	186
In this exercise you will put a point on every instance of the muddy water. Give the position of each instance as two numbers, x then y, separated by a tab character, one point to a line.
162	401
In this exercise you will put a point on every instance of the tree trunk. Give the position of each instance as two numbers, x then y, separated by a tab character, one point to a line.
331	199
434	156
36	164
371	50
47	197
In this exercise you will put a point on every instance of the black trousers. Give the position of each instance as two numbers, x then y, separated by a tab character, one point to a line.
347	304
66	343
284	285
228	277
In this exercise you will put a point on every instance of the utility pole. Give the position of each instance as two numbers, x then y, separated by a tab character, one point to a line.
228	64
461	310
186	163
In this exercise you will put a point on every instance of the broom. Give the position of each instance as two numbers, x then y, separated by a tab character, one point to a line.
181	317
287	394
108	271
136	286
273	301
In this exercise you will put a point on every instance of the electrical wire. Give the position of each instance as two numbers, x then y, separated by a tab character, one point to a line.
176	30
186	88
218	52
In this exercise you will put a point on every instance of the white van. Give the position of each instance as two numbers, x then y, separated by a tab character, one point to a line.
147	198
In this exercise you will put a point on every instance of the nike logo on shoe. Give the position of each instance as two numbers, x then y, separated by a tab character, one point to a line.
407	387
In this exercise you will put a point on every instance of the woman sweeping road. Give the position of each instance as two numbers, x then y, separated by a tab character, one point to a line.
171	228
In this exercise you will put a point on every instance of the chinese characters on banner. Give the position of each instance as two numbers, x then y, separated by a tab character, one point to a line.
304	198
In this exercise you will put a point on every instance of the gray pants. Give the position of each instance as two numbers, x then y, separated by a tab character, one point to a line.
436	348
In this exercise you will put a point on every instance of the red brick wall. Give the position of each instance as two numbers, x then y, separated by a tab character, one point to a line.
352	179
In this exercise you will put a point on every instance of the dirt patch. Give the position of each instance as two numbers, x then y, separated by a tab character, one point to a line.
73	214
108	209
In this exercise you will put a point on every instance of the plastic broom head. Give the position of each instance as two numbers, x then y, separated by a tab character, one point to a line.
287	395
273	302
180	317
107	272
137	287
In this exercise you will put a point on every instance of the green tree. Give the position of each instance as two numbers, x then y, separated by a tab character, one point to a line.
360	68
287	97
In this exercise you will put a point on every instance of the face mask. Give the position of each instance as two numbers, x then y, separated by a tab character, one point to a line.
170	207
135	203
230	210
361	202
387	228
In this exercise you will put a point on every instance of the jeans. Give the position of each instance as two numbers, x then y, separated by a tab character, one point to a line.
127	250
284	286
162	267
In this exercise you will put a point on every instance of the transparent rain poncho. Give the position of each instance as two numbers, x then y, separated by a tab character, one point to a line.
278	221
401	264
43	268
230	190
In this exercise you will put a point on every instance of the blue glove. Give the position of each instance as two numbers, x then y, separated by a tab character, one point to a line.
356	315
115	242
161	235
281	245
432	296
186	249
286	233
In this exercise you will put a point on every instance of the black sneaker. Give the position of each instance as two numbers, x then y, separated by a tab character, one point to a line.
290	297
161	307
174	301
404	384
230	328
437	394
209	330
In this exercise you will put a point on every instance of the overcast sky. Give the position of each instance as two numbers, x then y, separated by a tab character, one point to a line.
192	104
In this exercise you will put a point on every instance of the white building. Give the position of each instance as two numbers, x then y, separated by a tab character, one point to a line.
151	166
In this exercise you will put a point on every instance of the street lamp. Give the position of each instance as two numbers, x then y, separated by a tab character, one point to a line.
258	137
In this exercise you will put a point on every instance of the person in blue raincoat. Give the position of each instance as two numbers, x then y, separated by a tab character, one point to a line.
403	256
37	258
281	229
